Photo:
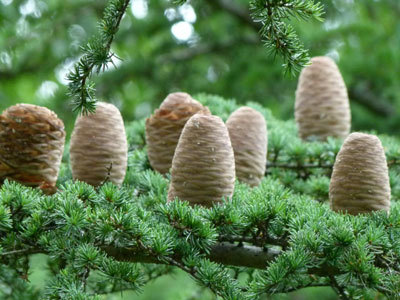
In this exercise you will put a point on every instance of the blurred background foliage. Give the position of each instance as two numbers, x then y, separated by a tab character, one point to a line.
209	46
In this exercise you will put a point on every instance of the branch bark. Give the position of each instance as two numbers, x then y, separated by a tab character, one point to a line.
224	253
364	96
236	10
205	48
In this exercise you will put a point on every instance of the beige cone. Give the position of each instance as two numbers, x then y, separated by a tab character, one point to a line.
248	132
360	179
164	128
31	146
99	149
322	104
203	167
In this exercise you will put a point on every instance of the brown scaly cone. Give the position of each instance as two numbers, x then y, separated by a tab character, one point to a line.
360	179
164	128
99	149
31	146
203	167
248	132
322	105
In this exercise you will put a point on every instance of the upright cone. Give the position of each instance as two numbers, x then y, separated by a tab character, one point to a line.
203	168
99	149
164	128
31	146
360	180
322	104
248	133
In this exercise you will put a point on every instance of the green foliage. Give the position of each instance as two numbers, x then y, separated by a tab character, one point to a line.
96	57
108	240
223	56
280	38
104	240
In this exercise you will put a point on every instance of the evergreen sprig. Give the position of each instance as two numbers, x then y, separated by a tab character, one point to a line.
95	58
280	37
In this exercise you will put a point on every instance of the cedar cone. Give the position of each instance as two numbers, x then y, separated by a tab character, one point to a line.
31	146
322	104
164	128
99	149
360	179
203	167
248	133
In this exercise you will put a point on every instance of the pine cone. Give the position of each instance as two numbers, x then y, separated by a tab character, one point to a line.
31	146
248	133
203	167
322	104
360	180
99	149
164	128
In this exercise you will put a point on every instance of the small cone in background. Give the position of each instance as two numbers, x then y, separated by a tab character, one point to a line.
203	167
248	133
360	179
99	149
164	128
322	105
31	146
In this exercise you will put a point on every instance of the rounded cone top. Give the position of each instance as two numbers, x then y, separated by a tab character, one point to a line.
31	145
203	167
322	106
174	99
248	133
360	179
164	128
99	149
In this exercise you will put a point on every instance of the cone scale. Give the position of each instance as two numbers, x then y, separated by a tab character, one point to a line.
31	146
360	179
322	105
99	149
164	128
203	167
248	133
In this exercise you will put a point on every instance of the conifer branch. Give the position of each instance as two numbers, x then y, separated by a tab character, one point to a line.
95	58
390	163
279	37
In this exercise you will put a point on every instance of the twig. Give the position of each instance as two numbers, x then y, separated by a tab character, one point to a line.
109	169
338	288
21	251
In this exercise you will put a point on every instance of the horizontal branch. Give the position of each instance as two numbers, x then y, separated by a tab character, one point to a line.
300	166
206	48
223	253
390	163
365	96
238	11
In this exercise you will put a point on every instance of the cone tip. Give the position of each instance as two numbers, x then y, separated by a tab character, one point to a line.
173	99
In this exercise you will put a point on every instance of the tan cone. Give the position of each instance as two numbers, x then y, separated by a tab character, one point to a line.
203	168
360	179
248	132
31	146
164	128
322	104
99	149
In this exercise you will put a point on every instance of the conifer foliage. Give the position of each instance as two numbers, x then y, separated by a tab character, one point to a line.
282	234
277	237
